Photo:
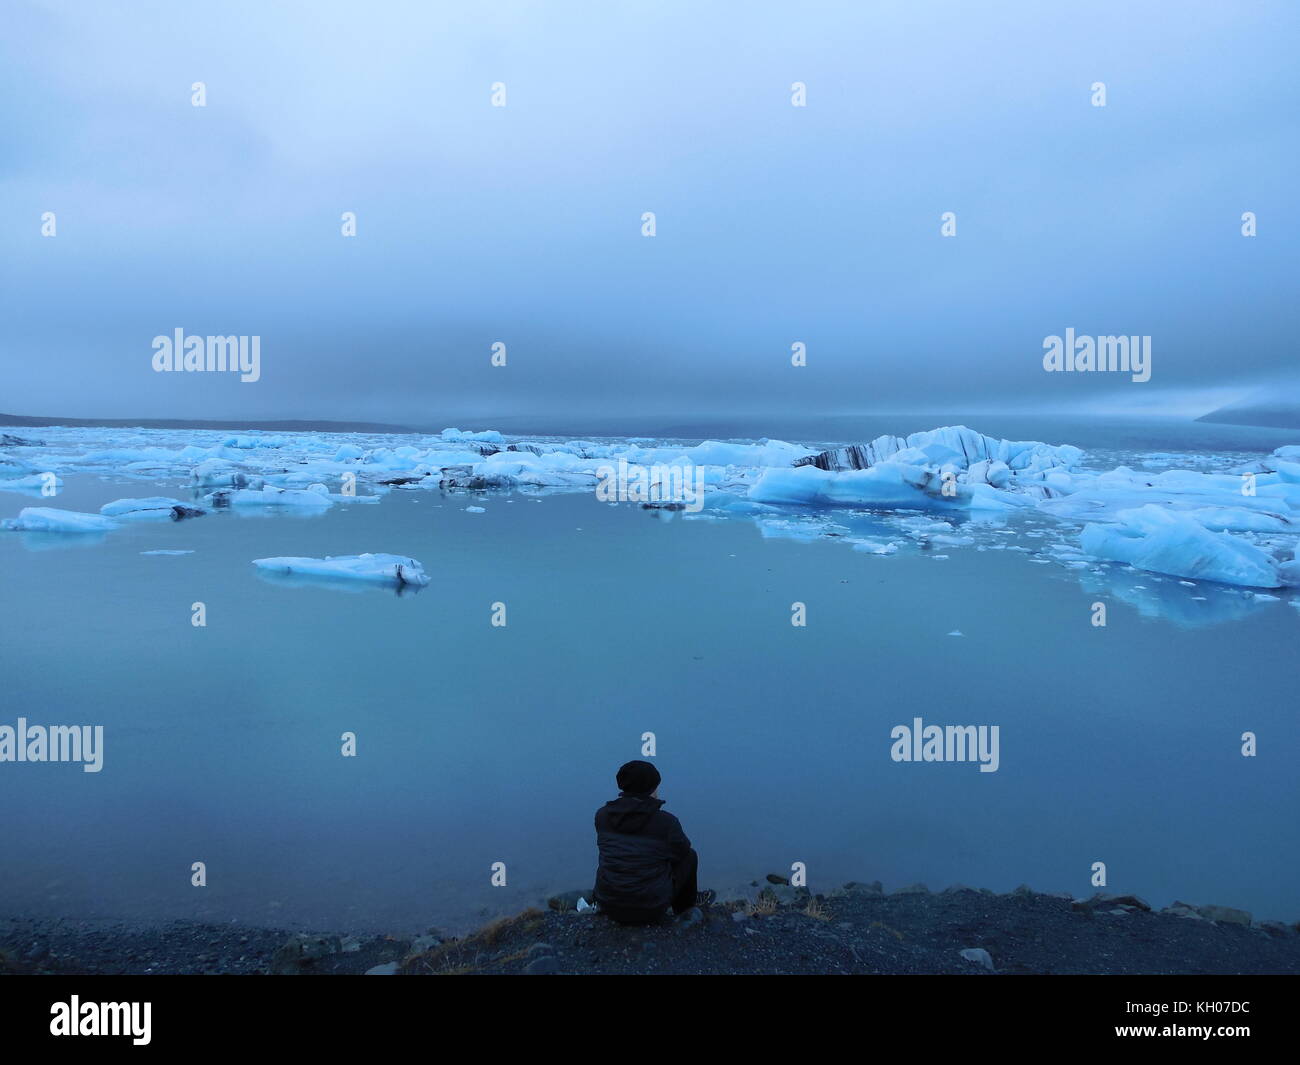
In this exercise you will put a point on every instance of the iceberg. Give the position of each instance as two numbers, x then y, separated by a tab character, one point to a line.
954	444
1163	541
386	569
489	436
48	519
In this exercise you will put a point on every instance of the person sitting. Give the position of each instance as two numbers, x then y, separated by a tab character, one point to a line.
647	864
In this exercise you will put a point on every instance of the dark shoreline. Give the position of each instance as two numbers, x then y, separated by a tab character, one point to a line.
760	929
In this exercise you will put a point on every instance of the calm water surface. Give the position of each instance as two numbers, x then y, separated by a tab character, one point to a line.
479	744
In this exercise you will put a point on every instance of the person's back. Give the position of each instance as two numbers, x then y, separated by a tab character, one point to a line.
646	862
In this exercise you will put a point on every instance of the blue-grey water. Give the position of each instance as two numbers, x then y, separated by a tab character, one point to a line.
480	744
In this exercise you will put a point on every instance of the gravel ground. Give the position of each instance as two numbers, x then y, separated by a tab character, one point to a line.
759	929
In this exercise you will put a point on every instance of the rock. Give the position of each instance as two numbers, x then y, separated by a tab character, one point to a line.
744	893
739	915
957	889
425	942
913	889
1274	928
784	894
349	945
301	950
693	916
568	900
1110	903
1225	915
1023	889
537	950
978	956
853	889
546	965
387	969
1132	901
776	878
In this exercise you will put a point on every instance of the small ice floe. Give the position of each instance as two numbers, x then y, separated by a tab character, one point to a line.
48	519
151	508
220	473
475	510
874	547
164	551
382	569
32	482
269	496
956	632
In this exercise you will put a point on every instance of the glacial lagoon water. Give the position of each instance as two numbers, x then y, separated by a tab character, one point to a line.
479	744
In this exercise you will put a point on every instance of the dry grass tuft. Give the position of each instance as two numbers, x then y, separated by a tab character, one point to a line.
457	957
816	910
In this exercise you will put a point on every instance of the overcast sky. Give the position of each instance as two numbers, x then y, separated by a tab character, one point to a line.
522	224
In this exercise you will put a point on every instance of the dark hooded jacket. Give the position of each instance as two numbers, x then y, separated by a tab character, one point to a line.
639	845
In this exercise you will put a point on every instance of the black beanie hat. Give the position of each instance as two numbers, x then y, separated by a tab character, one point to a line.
638	778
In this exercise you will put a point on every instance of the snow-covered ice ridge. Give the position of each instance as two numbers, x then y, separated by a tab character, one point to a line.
946	487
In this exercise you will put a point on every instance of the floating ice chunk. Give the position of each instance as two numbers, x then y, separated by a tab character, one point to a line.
393	569
218	473
32	482
723	453
272	497
475	510
883	485
1165	541
490	436
987	497
1289	572
48	519
245	442
160	507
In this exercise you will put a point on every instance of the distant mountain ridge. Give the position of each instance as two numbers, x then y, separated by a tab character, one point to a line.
1274	407
283	425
